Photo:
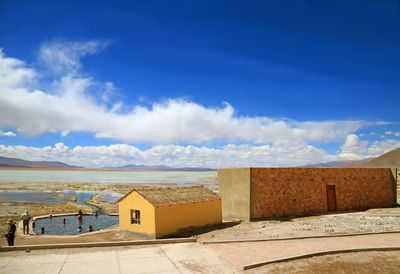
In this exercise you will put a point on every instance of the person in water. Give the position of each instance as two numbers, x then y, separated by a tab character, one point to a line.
42	230
90	228
80	215
80	229
63	221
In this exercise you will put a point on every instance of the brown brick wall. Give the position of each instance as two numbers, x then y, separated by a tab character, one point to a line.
300	191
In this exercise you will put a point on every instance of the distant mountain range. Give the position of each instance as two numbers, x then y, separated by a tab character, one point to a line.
343	163
19	163
14	162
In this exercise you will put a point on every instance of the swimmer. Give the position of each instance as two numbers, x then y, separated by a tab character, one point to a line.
50	216
80	229
90	228
63	221
42	230
80	214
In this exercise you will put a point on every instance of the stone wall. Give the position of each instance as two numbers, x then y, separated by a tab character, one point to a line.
302	191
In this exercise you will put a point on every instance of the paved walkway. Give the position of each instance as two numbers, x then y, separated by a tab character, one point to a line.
178	258
168	258
240	254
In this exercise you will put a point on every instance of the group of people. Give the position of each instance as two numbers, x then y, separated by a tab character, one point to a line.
80	216
25	217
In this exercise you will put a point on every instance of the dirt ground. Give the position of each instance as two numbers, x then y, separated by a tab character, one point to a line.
373	220
357	262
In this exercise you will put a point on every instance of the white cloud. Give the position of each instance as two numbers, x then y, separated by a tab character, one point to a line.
69	107
173	155
230	155
388	132
354	148
372	133
378	148
8	133
62	56
397	134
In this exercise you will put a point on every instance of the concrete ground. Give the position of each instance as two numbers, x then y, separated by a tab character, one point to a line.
183	257
168	258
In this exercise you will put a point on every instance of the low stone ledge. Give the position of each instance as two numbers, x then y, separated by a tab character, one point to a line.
294	238
98	244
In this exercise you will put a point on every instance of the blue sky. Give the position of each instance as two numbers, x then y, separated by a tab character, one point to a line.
199	83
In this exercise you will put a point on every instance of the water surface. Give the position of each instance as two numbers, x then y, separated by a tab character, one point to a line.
54	226
85	176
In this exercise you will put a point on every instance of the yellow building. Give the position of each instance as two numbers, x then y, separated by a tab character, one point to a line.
164	211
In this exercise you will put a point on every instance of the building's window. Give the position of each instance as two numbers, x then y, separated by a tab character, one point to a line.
135	216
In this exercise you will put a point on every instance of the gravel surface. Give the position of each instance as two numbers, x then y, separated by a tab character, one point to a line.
370	221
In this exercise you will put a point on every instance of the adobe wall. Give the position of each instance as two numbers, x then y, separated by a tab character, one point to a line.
180	217
301	191
234	187
147	214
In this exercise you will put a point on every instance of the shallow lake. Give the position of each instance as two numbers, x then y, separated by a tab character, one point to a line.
84	176
46	196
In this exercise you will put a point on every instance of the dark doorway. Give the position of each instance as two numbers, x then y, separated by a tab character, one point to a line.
331	197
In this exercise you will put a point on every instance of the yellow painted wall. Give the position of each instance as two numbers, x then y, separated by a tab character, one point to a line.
173	218
147	215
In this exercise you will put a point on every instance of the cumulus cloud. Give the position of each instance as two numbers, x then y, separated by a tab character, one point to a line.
8	133
70	107
173	155
354	148
377	148
230	155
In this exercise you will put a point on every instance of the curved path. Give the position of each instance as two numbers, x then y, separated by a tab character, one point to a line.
247	253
